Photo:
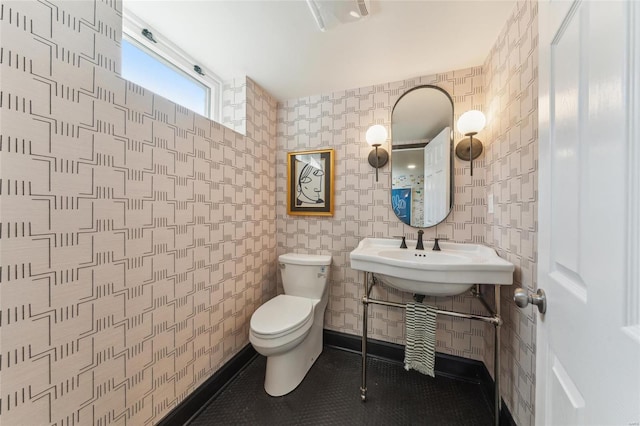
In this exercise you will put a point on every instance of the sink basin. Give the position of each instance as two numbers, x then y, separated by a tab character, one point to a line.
451	271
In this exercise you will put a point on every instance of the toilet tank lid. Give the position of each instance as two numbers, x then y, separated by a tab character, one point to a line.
305	259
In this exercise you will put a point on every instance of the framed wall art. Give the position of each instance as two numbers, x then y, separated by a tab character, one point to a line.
310	183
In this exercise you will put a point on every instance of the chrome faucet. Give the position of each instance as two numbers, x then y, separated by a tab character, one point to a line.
420	246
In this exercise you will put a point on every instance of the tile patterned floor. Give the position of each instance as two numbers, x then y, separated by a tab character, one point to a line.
330	395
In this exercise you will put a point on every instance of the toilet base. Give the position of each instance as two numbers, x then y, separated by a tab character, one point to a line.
287	370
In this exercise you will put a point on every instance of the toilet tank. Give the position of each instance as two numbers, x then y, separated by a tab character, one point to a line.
304	275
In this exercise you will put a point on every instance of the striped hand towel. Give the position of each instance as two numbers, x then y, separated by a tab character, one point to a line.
420	350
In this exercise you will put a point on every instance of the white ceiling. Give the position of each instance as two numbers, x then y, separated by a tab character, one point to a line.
278	45
402	158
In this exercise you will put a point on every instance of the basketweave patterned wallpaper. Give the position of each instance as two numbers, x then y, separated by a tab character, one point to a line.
107	314
137	238
511	73
363	208
234	104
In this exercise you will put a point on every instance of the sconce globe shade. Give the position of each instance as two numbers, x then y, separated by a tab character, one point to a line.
471	122
376	135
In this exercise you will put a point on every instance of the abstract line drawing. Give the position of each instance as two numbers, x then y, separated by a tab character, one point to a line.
310	183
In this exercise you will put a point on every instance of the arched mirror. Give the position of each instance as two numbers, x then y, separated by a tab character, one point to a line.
421	160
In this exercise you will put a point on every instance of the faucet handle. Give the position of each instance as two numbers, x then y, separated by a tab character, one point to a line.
436	246
403	245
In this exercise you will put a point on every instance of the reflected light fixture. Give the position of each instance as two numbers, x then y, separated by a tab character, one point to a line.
376	136
470	124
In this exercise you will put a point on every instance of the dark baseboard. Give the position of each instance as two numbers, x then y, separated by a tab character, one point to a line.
506	419
198	398
446	365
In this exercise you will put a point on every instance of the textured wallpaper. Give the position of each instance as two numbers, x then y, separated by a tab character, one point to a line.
363	207
234	105
511	73
137	238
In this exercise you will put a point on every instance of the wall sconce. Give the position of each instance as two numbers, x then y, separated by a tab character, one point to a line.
469	124
376	136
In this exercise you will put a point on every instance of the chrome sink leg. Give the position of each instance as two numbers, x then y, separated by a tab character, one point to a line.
365	314
496	359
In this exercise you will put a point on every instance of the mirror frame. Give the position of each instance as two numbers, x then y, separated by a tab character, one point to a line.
451	151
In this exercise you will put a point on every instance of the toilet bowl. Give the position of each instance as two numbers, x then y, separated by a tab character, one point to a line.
288	328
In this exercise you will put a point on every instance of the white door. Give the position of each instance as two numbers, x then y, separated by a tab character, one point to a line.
437	156
588	342
430	193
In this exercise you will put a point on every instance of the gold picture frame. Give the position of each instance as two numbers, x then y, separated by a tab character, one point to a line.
310	183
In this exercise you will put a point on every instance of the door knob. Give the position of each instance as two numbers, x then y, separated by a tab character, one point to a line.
522	299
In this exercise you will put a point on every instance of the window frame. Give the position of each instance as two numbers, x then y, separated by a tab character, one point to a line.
173	56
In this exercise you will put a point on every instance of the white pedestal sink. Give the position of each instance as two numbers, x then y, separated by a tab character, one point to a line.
451	271
448	272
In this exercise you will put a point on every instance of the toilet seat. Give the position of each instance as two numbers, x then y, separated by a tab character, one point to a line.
282	315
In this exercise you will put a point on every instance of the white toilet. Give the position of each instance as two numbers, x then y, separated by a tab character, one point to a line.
288	328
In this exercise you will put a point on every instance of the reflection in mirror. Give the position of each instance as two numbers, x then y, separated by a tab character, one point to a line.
421	169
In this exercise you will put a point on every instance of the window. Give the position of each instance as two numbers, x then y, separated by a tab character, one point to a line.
165	69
